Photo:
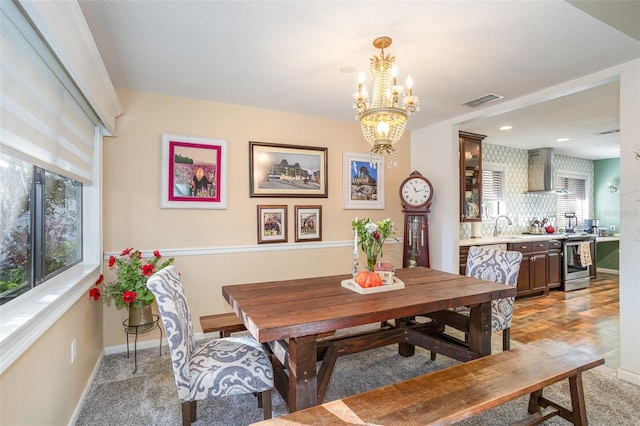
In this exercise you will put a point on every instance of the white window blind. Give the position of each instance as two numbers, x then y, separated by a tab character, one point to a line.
574	202
43	114
492	185
493	189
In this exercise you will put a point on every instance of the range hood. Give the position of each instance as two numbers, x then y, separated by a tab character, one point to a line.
541	173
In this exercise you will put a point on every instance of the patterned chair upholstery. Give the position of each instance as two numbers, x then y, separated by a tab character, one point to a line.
221	367
499	266
502	267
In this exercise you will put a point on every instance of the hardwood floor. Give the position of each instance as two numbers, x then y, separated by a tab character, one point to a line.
586	319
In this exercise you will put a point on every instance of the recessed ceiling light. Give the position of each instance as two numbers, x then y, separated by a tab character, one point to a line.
347	69
506	127
563	139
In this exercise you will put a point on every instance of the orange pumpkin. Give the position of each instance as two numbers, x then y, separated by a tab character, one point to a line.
368	279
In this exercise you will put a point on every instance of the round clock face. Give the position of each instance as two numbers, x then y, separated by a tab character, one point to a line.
416	192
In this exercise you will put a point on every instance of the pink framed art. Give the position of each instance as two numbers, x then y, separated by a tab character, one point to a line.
194	172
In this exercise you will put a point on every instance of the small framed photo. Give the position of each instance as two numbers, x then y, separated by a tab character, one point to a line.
272	224
362	181
308	223
277	170
193	173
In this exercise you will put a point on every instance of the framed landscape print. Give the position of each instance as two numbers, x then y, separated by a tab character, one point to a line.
193	173
308	223
277	170
362	182
272	224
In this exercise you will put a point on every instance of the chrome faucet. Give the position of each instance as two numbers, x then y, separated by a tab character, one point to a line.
496	231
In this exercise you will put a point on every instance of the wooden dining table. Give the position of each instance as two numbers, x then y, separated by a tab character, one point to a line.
296	319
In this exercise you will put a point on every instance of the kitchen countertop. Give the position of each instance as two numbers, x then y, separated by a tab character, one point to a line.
606	239
505	239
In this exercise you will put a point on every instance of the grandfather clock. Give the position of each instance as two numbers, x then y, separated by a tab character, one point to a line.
415	194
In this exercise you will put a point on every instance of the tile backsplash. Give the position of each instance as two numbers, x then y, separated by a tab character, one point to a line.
523	208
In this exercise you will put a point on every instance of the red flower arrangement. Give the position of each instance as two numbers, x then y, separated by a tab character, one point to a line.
131	286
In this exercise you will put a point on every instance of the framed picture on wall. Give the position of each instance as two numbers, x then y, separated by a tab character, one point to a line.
278	170
308	223
362	181
272	224
193	173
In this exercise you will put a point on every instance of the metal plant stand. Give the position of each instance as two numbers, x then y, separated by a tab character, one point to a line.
140	329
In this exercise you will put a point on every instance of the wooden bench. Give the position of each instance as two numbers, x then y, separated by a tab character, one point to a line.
223	323
453	394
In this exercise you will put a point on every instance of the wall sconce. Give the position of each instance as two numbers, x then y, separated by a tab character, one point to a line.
611	187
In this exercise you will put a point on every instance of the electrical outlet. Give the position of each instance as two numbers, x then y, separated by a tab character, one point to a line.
73	351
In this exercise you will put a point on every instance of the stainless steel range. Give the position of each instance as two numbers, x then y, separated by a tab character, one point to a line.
576	269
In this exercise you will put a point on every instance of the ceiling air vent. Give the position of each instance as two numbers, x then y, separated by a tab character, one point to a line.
606	132
483	100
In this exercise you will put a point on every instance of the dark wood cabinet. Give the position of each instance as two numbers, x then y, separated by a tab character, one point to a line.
541	268
532	278
554	279
470	176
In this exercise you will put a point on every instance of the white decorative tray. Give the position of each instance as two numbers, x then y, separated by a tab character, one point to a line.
354	286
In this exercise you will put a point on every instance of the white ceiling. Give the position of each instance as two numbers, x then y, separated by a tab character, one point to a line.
292	56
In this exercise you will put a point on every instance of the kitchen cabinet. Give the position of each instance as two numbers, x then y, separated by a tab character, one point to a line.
532	278
554	279
470	176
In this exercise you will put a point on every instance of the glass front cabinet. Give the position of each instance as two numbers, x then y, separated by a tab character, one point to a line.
470	177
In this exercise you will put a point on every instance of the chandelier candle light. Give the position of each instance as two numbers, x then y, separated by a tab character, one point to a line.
381	118
355	250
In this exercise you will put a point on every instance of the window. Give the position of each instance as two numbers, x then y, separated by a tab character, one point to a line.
15	227
50	119
41	225
576	201
493	191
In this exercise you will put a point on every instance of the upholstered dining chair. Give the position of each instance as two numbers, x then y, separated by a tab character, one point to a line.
221	367
499	266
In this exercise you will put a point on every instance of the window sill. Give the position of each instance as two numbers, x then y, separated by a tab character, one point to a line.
25	319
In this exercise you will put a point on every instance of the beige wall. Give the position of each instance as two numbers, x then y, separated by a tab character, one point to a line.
42	387
133	217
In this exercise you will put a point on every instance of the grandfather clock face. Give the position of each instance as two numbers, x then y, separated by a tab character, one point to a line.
416	192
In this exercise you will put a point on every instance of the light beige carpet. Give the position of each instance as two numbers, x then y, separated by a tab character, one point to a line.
149	397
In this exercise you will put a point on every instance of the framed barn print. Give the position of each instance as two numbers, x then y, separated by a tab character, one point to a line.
308	223
272	224
362	181
295	171
193	172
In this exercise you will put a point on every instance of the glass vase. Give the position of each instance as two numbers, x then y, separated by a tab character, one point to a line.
371	263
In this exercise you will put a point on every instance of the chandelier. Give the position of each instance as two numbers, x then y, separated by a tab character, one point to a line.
382	119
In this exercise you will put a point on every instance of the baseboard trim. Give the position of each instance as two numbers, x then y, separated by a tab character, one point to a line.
628	376
608	271
85	393
152	343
